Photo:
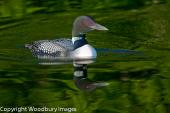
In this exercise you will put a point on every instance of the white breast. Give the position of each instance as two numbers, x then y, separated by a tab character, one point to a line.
85	52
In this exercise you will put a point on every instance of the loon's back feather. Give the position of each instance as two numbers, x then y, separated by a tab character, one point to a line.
67	43
51	49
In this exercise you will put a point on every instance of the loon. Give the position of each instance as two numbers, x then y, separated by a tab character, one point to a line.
75	48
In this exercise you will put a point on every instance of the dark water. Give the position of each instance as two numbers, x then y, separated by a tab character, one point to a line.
133	57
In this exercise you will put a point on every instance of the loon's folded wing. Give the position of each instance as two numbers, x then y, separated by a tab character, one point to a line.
67	43
50	49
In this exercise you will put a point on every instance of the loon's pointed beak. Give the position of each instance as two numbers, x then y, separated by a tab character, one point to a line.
98	27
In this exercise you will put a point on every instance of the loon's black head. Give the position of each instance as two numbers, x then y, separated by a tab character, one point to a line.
83	24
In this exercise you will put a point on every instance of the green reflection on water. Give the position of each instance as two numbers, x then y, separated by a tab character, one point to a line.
137	84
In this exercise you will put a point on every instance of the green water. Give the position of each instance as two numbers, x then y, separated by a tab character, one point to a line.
138	83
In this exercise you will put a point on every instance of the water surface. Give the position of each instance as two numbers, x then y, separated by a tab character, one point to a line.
133	57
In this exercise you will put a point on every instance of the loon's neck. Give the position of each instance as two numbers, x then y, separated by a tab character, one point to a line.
82	50
79	41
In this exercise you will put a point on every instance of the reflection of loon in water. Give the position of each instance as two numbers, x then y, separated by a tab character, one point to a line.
81	80
75	48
